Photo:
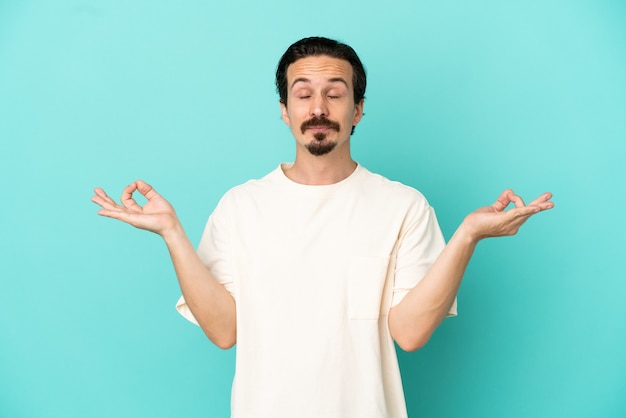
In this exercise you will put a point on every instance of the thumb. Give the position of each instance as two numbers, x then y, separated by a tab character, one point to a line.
146	189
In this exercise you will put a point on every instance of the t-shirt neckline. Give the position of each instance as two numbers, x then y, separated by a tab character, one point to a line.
314	190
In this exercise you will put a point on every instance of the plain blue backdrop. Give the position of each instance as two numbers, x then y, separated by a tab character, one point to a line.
464	99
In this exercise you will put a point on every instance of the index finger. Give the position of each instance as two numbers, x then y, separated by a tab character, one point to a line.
127	197
517	200
503	200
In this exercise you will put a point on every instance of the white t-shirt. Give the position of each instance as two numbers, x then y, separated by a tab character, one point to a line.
314	271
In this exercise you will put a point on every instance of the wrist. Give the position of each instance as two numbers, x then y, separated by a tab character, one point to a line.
173	233
467	234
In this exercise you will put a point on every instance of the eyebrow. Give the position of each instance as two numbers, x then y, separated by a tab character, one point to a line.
330	80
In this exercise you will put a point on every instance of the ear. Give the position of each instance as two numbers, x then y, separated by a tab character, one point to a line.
284	113
358	112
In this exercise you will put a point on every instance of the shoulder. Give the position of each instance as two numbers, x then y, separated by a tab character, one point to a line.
382	187
253	187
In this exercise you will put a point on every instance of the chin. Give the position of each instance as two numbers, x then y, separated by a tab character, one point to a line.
319	148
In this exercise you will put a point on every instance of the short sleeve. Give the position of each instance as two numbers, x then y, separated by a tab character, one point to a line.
420	243
215	252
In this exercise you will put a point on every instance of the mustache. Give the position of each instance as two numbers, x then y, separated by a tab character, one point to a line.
319	121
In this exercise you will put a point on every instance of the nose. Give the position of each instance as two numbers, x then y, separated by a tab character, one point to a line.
319	106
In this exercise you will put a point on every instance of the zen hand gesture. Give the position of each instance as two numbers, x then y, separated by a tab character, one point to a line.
157	215
494	221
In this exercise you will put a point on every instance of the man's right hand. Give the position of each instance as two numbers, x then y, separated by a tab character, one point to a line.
208	300
157	215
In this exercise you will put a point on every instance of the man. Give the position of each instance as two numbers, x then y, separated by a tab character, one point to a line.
315	269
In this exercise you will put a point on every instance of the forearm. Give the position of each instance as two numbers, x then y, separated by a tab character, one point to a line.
416	317
209	301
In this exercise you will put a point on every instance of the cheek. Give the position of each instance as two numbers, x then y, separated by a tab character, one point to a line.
296	117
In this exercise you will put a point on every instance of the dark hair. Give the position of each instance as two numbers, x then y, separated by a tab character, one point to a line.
316	46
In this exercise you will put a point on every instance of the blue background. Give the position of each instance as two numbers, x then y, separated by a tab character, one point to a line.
464	100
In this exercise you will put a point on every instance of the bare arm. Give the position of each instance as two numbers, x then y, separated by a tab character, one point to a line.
208	300
420	312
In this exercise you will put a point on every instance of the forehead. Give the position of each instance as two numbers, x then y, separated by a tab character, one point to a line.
319	69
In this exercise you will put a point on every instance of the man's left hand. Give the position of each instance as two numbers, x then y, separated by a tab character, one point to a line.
495	221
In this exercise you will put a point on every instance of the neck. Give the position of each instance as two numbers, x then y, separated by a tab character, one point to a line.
320	170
